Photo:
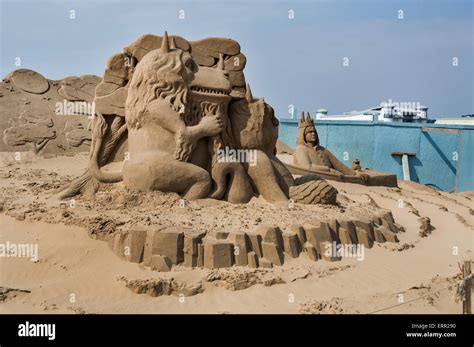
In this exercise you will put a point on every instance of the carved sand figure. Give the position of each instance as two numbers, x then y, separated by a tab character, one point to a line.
311	157
36	132
37	136
310	154
177	116
356	165
45	116
230	179
76	134
255	127
159	133
158	104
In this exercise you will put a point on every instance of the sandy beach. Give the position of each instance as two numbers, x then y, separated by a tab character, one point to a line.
77	273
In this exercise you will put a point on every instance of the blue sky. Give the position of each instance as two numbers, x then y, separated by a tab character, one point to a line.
295	61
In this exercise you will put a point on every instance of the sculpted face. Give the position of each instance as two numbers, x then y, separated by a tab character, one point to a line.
162	73
188	68
210	84
311	136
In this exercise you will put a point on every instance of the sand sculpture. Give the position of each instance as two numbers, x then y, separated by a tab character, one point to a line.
171	108
267	246
177	116
44	116
171	112
310	157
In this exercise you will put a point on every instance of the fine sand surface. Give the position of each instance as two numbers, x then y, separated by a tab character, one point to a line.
77	274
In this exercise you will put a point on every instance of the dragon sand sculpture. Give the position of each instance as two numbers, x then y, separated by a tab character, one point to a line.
166	107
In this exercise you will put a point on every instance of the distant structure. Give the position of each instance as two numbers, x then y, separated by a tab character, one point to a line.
467	119
386	112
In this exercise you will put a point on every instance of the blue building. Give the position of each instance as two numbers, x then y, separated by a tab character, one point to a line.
440	156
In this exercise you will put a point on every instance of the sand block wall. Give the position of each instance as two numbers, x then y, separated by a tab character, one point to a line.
265	247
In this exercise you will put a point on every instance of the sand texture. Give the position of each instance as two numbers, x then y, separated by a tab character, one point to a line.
77	271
